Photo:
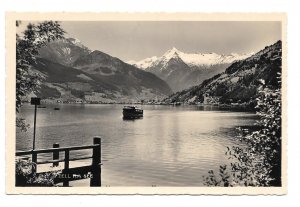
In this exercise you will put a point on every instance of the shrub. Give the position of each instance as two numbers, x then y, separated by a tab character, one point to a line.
259	162
26	176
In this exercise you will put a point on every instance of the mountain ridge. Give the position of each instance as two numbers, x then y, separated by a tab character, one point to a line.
64	51
191	59
94	76
192	68
240	82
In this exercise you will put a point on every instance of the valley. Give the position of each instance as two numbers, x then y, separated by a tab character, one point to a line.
72	73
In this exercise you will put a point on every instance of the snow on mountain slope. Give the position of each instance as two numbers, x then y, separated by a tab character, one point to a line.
71	70
191	59
183	70
240	82
64	51
145	63
77	42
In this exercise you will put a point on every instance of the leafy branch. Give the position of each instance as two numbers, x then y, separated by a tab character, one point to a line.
258	163
27	49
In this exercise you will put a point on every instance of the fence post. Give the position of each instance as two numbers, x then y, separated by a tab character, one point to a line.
55	155
67	157
34	160
96	163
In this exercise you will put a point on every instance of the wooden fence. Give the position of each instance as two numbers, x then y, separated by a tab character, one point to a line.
92	171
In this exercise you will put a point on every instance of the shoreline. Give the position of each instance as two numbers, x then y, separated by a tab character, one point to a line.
233	106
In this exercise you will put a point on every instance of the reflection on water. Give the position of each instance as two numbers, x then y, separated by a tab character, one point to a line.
131	118
169	146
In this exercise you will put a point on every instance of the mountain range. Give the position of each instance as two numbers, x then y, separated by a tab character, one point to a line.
183	70
240	82
64	51
72	72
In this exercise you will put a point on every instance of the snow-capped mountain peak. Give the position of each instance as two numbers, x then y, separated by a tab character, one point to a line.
143	64
77	42
64	51
172	51
191	59
182	70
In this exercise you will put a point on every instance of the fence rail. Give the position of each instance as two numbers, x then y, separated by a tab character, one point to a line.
93	171
48	150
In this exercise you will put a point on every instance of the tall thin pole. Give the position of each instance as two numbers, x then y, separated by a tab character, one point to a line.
34	123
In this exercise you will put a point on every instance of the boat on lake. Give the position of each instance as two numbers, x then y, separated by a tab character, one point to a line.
132	112
56	108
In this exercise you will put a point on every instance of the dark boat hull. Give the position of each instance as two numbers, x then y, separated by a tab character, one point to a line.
132	113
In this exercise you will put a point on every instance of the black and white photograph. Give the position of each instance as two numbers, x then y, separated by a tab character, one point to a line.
148	103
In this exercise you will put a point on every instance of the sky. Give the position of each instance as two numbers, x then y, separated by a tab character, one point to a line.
136	40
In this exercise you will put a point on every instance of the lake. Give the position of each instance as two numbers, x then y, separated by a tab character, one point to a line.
170	146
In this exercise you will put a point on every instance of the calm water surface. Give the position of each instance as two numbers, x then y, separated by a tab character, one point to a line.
170	146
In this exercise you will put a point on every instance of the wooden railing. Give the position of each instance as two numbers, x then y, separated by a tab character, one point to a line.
92	171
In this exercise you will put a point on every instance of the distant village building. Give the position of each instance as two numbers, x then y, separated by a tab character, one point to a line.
89	93
89	96
97	97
